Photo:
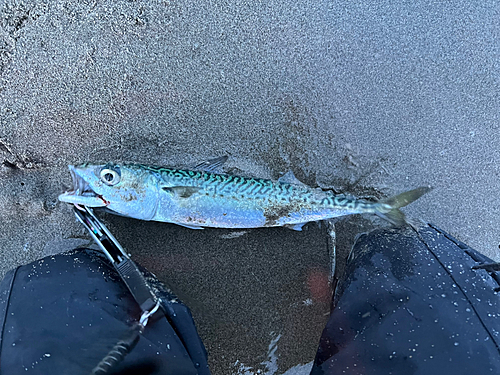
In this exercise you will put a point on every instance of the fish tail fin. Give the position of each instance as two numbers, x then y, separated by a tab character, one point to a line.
389	208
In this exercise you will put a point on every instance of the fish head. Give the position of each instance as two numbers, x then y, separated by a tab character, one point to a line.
127	190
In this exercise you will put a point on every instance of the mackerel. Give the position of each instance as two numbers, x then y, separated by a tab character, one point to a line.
204	198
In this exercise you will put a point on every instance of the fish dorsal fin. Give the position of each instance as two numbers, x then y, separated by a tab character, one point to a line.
289	178
181	191
212	165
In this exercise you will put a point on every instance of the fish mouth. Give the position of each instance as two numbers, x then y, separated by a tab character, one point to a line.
82	193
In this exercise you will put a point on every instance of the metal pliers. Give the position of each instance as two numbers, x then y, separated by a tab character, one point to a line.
126	267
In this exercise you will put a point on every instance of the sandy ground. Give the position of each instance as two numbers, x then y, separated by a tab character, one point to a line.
364	98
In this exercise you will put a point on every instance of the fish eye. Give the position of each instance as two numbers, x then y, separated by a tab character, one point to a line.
109	176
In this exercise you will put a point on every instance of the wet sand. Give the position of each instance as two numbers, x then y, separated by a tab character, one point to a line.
366	99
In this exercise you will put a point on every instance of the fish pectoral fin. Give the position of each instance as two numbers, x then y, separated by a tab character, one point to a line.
212	165
189	226
297	227
182	191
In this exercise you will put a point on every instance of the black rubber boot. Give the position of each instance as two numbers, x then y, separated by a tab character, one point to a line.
411	303
62	314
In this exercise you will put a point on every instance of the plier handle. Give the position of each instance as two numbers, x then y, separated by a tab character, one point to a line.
126	267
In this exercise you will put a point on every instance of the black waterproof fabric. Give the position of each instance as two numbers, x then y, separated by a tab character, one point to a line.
62	314
411	303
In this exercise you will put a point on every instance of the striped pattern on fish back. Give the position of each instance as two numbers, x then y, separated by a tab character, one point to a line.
222	185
